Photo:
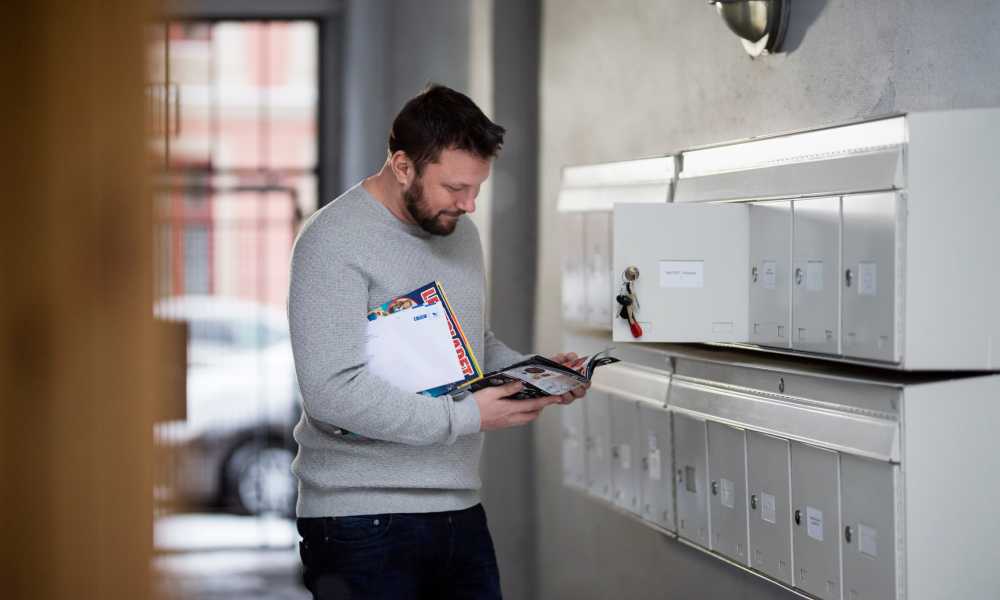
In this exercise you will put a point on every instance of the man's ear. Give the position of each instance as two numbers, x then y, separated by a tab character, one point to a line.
402	167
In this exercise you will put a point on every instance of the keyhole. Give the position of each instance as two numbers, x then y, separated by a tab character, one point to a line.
848	534
798	517
848	277
753	274
753	501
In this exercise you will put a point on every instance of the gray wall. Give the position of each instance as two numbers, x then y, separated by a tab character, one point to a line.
622	79
393	49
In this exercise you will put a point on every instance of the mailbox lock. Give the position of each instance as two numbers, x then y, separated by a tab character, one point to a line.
753	273
715	488
848	534
799	276
848	277
753	501
798	517
781	385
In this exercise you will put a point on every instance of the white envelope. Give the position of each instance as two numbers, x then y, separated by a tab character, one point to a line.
413	349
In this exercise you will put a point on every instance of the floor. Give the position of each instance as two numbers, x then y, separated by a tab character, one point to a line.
224	557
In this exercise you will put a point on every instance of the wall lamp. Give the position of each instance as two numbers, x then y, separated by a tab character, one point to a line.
760	24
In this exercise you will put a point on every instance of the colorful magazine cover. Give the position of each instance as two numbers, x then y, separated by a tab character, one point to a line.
433	293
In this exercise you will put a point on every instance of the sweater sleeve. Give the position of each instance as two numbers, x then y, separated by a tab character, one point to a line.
327	308
498	354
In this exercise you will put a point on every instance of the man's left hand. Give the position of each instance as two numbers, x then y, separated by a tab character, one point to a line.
571	360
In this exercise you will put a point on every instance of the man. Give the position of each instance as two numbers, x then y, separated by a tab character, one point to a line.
391	509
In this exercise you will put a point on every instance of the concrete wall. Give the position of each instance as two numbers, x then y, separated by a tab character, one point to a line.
622	79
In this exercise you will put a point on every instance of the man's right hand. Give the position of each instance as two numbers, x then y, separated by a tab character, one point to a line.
496	411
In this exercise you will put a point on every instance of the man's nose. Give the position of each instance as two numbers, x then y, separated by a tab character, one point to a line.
467	203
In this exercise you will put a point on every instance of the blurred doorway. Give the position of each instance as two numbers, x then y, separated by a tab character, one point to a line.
235	105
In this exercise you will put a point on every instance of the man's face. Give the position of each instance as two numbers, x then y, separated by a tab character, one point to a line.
445	190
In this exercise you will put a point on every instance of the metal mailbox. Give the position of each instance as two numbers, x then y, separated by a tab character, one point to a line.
770	499
770	248
598	444
625	457
574	459
597	256
815	275
691	464
816	520
656	489
870	222
574	299
868	535
727	500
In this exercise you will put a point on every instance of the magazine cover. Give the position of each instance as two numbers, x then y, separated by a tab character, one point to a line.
544	377
433	293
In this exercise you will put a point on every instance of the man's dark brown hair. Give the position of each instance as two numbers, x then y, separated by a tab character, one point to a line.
440	118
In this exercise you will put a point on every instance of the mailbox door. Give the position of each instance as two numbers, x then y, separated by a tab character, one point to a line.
691	478
868	534
770	500
597	236
574	297
816	275
598	445
574	459
625	457
727	490
656	481
770	269
816	522
869	277
692	263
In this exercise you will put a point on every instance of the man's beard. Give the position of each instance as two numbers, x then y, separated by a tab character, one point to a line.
440	223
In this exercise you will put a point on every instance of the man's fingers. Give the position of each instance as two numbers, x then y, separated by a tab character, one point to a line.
509	389
535	404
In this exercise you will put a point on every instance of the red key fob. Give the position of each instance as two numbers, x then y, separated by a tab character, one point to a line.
636	329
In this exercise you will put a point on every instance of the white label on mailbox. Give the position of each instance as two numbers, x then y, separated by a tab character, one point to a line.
655	468
868	540
682	273
867	279
767	508
728	493
814	276
651	440
769	278
814	523
625	455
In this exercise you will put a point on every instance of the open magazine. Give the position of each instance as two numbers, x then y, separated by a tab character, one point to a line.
544	377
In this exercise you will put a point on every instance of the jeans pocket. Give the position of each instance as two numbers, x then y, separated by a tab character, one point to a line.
360	529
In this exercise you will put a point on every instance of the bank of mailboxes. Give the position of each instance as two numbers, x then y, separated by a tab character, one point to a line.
873	242
801	477
586	198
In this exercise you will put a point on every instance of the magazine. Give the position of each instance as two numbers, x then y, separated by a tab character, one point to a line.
432	294
544	377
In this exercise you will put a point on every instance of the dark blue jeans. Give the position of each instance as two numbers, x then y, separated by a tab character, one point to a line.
400	556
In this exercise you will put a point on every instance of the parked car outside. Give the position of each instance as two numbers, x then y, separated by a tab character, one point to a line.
235	448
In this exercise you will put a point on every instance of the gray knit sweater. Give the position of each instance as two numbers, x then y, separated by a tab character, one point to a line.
411	453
